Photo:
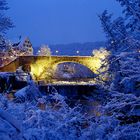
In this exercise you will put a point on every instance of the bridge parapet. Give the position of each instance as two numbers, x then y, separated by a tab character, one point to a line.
38	63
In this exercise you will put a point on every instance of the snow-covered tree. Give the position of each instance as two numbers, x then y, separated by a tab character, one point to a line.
123	85
44	50
106	22
132	14
123	46
5	22
4	44
116	32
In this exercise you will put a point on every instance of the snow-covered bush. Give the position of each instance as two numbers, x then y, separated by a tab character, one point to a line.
30	92
57	121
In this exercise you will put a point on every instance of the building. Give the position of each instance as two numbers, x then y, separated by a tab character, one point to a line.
23	47
18	47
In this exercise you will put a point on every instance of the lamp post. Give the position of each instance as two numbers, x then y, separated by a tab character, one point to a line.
56	51
77	52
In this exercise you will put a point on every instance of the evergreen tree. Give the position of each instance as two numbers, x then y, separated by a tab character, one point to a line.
115	32
106	22
132	14
5	22
124	47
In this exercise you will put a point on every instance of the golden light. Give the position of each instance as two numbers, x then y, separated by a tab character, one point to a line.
98	57
44	69
41	69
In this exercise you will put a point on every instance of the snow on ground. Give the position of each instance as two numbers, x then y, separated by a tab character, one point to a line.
32	115
58	121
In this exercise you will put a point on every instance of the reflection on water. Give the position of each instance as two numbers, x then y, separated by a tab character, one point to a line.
82	96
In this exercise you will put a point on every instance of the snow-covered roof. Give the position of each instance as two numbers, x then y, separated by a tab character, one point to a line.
19	40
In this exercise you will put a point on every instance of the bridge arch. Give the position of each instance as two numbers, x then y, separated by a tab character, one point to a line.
56	63
72	70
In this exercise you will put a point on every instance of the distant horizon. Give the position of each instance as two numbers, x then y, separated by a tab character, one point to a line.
72	48
69	43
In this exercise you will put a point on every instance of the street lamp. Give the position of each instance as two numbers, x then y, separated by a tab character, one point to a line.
56	51
77	52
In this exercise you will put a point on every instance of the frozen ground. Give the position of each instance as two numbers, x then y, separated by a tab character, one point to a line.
33	116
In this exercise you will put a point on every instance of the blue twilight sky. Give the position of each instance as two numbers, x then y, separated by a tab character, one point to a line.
59	21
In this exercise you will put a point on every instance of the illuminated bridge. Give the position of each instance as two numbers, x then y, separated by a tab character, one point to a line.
39	64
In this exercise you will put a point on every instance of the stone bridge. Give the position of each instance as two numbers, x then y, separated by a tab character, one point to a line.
39	63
